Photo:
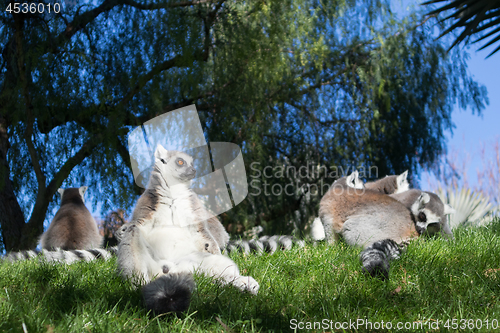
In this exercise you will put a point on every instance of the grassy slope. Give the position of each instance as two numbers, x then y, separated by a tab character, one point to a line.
435	279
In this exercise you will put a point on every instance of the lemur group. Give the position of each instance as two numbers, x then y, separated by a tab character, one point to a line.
171	234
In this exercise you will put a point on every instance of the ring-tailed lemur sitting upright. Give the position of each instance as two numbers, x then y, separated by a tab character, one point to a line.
171	235
72	235
376	221
73	227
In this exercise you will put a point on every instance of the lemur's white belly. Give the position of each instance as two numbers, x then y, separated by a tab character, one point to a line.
170	242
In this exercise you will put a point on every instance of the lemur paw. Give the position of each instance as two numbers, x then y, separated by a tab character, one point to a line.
212	248
246	283
128	228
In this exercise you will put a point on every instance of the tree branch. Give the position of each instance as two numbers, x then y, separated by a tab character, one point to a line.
177	61
65	170
312	116
25	82
164	5
80	21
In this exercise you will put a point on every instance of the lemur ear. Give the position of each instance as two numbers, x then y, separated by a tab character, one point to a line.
82	190
448	209
402	177
423	200
160	152
351	179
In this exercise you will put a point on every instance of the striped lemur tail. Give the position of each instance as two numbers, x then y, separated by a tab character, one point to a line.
267	244
169	293
65	256
375	258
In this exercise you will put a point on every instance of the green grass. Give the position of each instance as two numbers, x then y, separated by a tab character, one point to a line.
434	281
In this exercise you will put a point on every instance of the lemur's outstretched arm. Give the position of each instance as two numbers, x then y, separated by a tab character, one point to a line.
134	258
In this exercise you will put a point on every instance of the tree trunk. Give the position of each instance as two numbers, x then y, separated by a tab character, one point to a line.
11	215
32	230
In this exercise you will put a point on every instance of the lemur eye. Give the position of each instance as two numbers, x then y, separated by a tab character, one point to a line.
422	217
163	161
180	162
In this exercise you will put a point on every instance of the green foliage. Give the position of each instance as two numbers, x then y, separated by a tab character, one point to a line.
295	83
391	88
435	280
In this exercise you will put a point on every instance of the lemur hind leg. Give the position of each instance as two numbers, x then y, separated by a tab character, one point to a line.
206	241
166	293
217	266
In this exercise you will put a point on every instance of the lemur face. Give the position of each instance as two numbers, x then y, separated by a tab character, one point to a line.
430	214
174	164
183	166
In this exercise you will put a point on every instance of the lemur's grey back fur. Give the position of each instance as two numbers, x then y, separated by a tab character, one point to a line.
390	184
71	236
73	227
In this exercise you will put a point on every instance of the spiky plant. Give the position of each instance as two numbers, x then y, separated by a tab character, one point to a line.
471	208
478	18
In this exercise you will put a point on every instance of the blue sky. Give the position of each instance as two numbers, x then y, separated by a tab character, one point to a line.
471	131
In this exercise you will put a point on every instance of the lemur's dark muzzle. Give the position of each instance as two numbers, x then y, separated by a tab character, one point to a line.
191	172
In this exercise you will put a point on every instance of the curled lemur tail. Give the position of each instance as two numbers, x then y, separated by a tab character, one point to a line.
375	258
66	256
169	293
267	244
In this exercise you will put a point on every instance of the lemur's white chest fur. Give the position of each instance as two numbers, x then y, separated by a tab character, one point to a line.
176	220
176	209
